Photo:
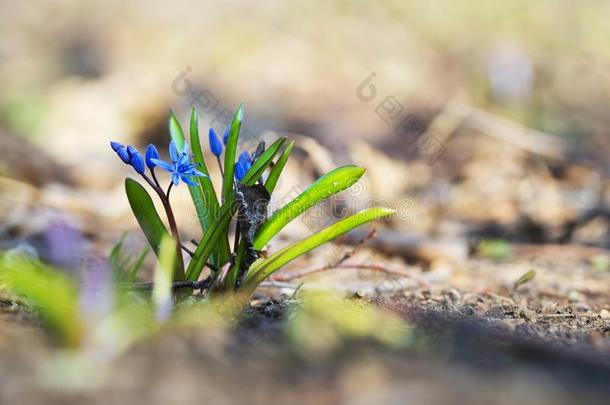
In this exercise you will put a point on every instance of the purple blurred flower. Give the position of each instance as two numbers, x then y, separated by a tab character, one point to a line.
65	245
96	295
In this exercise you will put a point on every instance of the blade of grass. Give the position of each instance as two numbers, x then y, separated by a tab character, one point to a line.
209	207
51	293
262	163
331	183
175	130
265	267
162	287
114	258
210	238
230	152
134	271
278	168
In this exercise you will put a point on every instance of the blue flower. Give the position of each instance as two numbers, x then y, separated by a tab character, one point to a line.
244	157
116	145
121	151
135	159
247	166
215	144
138	163
240	171
225	135
181	167
151	153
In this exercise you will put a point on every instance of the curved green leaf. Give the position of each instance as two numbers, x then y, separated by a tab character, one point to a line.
207	207
230	152
262	163
209	240
175	130
263	268
274	176
331	183
146	214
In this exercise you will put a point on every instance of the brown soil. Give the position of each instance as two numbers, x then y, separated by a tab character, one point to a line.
475	344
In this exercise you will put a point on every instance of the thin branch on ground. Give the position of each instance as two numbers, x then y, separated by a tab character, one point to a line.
340	264
355	266
372	234
176	285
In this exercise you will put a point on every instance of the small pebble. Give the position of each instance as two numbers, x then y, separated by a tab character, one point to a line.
360	294
605	314
454	295
581	307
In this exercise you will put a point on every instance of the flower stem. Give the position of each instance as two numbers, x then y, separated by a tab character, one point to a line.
222	174
179	274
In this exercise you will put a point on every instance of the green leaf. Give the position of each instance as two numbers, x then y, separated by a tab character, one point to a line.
526	278
278	168
262	163
497	250
208	201
209	240
52	294
114	258
208	207
162	287
175	130
263	268
259	166
331	183
220	226
230	152
146	214
134	270
125	268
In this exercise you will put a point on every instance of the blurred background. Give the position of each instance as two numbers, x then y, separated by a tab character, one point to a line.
474	119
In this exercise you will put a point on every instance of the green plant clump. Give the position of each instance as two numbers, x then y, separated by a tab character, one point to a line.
248	182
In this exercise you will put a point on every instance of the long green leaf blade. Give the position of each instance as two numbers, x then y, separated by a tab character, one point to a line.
331	183
175	130
274	176
262	163
230	152
134	270
208	209
144	210
265	267
209	240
